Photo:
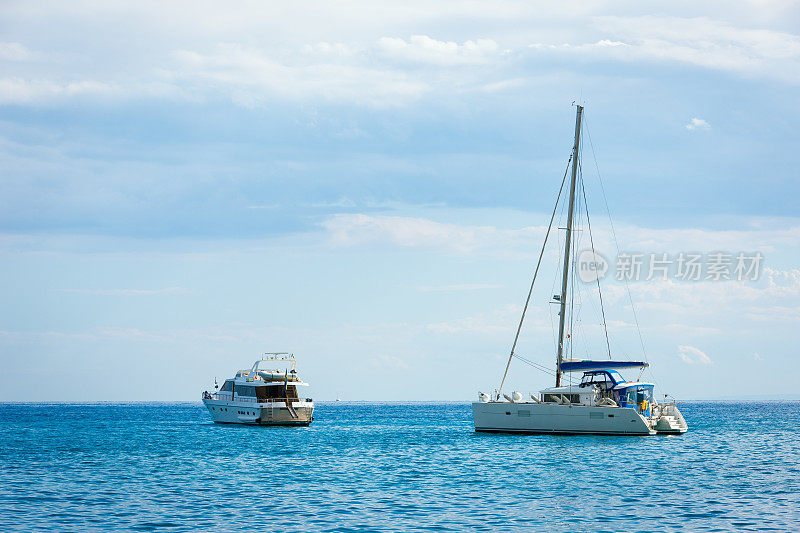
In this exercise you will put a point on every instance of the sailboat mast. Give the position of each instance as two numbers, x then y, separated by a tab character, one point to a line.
562	308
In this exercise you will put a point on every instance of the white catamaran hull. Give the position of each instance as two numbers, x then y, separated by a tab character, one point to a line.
264	414
556	418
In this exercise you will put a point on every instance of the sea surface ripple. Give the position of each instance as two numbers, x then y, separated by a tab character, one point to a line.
390	467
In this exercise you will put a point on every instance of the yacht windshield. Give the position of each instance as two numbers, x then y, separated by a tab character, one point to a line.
606	379
616	376
600	378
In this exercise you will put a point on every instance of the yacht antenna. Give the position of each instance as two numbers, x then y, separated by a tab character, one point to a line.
565	275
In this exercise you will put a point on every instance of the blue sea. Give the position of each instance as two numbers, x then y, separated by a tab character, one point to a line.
390	467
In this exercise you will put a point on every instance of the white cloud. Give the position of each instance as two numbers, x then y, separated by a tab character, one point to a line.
254	77
14	90
701	309
698	124
586	48
252	58
692	355
424	49
757	356
360	229
502	85
607	42
773	285
782	283
18	90
16	52
343	201
709	43
752	237
391	71
699	41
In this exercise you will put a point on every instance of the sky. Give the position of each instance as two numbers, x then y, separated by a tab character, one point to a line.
186	185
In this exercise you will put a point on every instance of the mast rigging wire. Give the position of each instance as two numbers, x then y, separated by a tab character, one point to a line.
535	365
597	279
616	243
535	273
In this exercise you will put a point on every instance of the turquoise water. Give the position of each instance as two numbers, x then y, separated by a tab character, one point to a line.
366	467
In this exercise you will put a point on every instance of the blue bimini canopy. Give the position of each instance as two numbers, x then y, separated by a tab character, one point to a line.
582	366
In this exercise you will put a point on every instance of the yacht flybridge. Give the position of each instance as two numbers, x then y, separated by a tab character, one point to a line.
602	401
266	395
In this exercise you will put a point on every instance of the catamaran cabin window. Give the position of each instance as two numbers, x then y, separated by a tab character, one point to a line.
555	398
631	397
227	387
635	396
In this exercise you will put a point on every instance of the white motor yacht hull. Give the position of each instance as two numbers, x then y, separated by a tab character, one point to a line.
297	413
558	418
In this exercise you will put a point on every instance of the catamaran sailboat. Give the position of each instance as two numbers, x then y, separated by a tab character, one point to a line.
262	396
603	402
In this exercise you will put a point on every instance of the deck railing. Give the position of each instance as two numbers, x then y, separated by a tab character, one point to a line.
237	398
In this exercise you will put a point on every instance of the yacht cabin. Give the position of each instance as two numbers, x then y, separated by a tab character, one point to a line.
603	387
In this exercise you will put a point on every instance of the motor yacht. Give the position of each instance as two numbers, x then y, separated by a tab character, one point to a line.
265	395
